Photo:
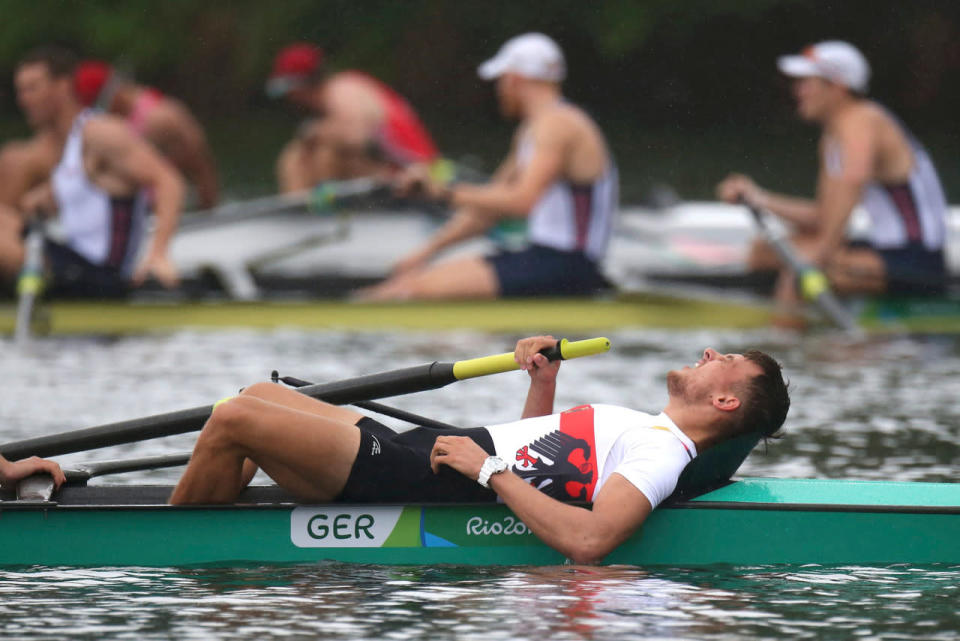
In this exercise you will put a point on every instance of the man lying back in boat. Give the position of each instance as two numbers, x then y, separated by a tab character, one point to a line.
359	126
13	471
559	176
97	190
622	461
867	157
166	122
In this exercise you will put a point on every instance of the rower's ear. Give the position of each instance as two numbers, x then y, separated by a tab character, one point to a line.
725	402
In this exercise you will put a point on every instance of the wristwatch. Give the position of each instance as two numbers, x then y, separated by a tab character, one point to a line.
493	465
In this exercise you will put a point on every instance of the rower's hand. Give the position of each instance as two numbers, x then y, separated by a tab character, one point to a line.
14	471
738	187
415	181
527	355
160	267
39	200
459	452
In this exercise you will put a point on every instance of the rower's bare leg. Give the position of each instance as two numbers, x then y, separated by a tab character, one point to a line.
276	393
11	243
306	453
464	278
858	270
762	256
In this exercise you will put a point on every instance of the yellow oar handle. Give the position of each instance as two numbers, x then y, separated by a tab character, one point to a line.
504	362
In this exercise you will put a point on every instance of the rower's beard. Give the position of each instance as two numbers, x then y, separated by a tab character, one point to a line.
676	386
680	389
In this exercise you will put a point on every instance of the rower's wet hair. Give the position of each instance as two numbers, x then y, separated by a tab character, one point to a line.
60	61
767	398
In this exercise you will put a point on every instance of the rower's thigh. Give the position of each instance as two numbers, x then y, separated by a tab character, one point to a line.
293	447
470	277
291	398
762	255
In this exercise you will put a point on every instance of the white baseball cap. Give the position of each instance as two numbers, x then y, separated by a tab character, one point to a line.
531	55
833	60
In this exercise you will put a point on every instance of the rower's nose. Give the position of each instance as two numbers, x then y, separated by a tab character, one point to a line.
710	354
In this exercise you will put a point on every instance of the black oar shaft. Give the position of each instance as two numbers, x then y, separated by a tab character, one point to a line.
362	388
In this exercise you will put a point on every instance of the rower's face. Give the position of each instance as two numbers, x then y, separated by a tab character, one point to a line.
39	94
713	374
813	97
507	85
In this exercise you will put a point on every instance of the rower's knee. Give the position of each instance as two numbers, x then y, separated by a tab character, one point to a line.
264	390
226	421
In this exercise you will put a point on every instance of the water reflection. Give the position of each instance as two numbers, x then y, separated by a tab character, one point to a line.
355	601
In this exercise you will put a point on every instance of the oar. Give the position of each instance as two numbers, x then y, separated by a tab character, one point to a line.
363	388
813	283
325	197
85	471
30	282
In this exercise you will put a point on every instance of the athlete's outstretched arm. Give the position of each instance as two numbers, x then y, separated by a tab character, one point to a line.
465	223
580	534
543	374
516	197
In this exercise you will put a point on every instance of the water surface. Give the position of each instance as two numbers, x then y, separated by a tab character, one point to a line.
885	408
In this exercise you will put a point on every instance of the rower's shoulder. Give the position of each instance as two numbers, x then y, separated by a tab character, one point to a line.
567	120
106	129
863	115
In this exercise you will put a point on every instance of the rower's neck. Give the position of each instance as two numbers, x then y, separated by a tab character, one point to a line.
694	425
540	98
838	110
64	121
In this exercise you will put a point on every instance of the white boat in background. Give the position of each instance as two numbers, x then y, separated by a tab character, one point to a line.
691	238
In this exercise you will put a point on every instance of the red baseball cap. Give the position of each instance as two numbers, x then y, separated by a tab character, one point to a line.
89	79
292	66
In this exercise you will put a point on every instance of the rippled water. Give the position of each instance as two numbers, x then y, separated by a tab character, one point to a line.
886	408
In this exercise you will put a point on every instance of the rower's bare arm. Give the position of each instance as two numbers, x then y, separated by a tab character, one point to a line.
181	138
39	200
840	188
801	212
352	112
465	223
11	472
582	535
130	160
517	196
543	374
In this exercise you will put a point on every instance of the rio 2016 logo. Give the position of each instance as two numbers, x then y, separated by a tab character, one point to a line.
507	526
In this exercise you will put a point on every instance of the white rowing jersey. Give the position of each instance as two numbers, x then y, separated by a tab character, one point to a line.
912	213
104	229
570	455
571	216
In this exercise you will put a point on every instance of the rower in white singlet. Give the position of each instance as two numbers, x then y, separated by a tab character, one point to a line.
101	234
96	189
866	157
559	176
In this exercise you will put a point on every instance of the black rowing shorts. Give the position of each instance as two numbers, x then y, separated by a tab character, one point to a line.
395	468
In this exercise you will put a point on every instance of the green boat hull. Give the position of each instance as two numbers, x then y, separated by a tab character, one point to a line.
749	522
